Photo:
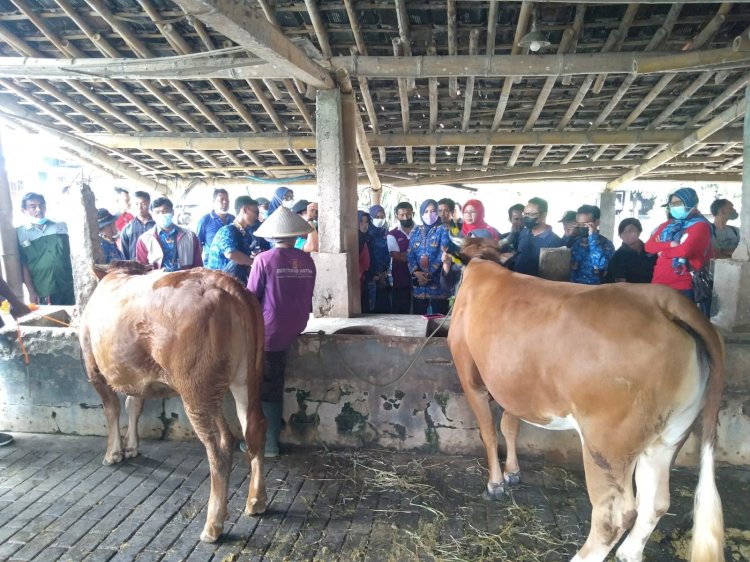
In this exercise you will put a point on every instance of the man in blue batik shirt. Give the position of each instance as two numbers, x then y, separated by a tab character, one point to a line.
590	252
234	247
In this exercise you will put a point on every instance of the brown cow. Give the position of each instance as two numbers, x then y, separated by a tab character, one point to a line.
627	366
196	334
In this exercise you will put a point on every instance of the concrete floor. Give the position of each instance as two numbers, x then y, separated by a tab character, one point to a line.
57	502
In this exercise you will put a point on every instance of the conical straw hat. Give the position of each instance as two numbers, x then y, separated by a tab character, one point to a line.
283	224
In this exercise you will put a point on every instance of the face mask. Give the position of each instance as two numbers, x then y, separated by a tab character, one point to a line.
42	220
679	212
378	223
264	214
163	221
429	218
530	222
314	223
288	204
406	223
734	216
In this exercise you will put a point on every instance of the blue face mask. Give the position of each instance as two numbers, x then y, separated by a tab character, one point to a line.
163	221
679	212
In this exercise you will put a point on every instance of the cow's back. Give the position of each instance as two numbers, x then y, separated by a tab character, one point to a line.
148	332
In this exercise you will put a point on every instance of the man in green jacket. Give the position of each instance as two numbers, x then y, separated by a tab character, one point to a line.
44	247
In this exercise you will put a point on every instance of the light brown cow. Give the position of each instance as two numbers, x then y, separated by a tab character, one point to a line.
627	366
195	333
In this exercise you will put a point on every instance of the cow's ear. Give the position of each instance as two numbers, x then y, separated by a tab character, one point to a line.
99	271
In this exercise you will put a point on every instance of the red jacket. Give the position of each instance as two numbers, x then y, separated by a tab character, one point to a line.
695	246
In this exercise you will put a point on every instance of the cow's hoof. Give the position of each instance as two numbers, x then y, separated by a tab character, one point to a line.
256	506
513	478
112	459
131	453
494	492
211	533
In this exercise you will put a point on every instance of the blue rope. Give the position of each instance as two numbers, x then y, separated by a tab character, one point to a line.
281	180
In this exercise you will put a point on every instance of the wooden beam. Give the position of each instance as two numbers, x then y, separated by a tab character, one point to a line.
403	96
502	102
542	65
432	86
583	89
508	173
717	123
219	64
468	94
622	33
452	48
243	141
403	33
541	99
619	2
240	23
320	28
363	147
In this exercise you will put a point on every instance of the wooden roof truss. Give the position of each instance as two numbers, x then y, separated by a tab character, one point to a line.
181	89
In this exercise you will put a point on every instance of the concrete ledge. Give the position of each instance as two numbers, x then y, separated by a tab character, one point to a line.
342	390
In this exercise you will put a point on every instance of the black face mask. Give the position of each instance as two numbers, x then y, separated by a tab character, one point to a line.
530	222
406	223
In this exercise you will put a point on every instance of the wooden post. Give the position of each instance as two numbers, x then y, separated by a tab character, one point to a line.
11	260
743	250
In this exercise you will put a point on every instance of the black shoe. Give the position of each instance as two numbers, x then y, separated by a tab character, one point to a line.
6	439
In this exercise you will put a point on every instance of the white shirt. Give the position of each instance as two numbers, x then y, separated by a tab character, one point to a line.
393	243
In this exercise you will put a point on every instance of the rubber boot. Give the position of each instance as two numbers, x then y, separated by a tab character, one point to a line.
272	413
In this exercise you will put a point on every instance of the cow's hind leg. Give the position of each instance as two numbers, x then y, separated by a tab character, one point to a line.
509	425
610	487
212	429
253	424
134	408
112	412
109	400
652	499
476	394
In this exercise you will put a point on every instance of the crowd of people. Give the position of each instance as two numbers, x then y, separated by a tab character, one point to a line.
407	266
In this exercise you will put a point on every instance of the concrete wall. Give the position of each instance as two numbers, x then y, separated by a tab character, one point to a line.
342	390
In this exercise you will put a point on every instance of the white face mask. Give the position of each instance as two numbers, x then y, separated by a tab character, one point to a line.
378	223
429	218
288	204
163	220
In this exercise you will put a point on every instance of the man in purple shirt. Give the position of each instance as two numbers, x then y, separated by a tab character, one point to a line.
283	279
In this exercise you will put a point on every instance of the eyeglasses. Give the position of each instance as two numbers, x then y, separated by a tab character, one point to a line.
677	203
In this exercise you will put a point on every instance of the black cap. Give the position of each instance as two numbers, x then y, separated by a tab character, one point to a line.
569	216
104	217
300	206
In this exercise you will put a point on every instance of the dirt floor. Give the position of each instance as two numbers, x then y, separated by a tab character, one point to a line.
57	502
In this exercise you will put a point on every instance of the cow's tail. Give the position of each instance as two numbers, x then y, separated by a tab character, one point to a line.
708	519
